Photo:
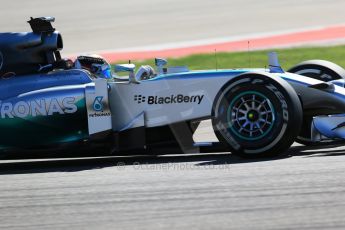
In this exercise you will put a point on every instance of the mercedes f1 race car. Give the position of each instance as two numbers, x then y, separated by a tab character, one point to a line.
48	102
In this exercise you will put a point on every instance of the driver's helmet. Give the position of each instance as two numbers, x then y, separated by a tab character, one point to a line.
96	64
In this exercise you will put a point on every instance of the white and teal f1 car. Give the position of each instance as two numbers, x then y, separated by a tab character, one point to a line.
50	103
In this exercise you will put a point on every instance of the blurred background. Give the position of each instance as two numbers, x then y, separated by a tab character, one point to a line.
89	25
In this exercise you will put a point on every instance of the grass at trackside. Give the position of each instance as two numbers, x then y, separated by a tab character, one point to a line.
287	57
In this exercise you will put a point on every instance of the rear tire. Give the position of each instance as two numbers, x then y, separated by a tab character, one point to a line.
257	116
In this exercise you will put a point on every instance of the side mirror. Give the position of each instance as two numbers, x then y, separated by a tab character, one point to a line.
124	68
273	63
127	68
160	63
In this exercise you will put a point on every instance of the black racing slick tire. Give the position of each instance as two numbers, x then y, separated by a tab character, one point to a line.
257	115
320	70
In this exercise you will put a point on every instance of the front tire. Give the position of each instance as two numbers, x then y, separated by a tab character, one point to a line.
324	71
256	115
319	69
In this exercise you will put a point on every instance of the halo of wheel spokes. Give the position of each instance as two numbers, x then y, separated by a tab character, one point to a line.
251	115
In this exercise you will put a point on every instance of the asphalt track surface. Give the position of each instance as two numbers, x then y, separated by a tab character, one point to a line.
304	190
89	25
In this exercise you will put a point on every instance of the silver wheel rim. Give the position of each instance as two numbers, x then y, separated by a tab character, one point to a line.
251	115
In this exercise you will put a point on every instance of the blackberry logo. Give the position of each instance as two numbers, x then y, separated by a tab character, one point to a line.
173	99
139	98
